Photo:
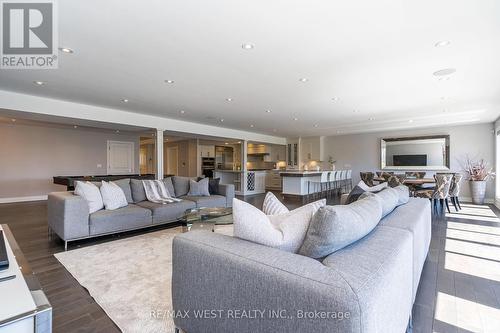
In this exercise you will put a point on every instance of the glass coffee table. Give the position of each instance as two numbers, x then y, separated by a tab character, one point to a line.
206	218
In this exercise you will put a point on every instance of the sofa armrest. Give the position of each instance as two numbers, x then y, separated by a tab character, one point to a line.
216	272
68	215
227	190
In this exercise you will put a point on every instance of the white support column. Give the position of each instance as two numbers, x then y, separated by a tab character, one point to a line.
159	154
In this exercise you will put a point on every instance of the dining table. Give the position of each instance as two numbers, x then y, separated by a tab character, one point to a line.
413	183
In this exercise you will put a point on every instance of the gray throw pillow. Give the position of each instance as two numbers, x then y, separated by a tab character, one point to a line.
138	193
335	227
124	184
181	185
389	198
199	188
169	186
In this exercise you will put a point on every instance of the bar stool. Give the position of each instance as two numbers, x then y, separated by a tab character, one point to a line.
318	186
349	179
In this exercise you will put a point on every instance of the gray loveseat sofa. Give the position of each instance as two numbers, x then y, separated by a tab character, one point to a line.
69	218
369	286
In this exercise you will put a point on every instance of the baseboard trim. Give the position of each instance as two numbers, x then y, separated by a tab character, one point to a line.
487	200
23	199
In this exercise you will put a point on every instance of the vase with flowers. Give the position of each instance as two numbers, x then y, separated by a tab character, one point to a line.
478	173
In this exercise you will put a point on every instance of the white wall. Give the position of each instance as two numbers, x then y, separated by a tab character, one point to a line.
361	152
31	155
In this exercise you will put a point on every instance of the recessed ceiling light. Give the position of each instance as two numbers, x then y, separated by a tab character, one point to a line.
74	126
268	111
335	99
410	121
303	79
371	118
182	111
13	120
316	125
66	50
295	119
252	126
39	83
229	99
124	100
222	120
442	43
169	81
117	131
226	143
444	72
247	46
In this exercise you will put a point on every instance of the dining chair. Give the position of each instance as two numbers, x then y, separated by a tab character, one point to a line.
395	180
441	192
343	181
332	184
367	177
415	174
455	190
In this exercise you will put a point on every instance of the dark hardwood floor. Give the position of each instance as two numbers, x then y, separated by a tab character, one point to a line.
459	289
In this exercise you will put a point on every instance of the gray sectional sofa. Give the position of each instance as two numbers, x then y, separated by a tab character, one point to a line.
69	218
368	286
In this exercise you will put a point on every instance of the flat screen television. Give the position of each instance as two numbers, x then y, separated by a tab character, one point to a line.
409	160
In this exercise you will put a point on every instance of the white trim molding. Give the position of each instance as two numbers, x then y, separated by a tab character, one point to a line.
54	107
23	199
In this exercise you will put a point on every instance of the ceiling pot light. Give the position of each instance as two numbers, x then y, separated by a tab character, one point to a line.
444	72
13	120
74	126
410	121
247	46
316	125
66	50
335	99
303	79
124	100
371	118
117	131
226	143
229	99
221	120
182	111
268	111
252	126
295	119
442	43
39	83
169	81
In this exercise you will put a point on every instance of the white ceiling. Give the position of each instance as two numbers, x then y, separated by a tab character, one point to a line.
376	57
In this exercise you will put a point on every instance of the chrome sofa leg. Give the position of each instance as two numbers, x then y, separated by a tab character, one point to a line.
65	245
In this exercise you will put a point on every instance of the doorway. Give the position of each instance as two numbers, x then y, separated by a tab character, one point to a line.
120	157
172	160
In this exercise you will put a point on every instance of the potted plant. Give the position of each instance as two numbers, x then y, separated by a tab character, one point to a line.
331	162
478	174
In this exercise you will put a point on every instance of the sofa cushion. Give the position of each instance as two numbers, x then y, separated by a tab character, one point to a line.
181	185
419	225
389	197
169	186
204	201
198	188
335	227
138	193
167	212
130	217
378	269
125	186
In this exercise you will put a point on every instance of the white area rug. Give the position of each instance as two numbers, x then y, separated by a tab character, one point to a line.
129	278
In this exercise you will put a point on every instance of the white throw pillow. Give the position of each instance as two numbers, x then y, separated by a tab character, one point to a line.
375	188
91	194
285	231
403	194
113	196
273	206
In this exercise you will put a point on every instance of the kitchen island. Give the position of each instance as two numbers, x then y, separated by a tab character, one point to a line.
245	182
295	183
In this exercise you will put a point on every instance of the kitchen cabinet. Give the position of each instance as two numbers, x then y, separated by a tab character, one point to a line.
276	153
207	151
273	180
292	153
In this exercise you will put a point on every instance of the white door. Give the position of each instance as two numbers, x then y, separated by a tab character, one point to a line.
120	157
172	161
